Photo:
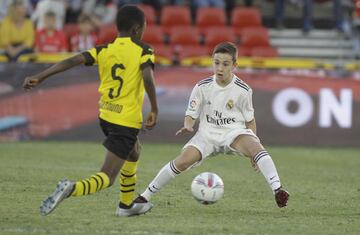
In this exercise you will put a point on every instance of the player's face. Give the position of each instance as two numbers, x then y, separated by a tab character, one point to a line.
223	66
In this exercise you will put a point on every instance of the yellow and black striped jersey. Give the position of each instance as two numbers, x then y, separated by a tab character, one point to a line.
121	87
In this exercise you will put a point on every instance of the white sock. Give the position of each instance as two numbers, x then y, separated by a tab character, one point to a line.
268	169
165	175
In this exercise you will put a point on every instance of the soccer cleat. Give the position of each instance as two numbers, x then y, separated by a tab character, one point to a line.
281	197
63	190
139	206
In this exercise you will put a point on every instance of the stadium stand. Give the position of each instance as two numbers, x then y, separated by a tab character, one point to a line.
107	33
184	35
179	39
264	52
149	12
216	35
154	35
245	17
210	17
172	16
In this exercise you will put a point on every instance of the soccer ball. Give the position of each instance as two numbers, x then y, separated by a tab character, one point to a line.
207	188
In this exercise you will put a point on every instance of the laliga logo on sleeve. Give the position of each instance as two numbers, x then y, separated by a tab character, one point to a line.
230	104
192	105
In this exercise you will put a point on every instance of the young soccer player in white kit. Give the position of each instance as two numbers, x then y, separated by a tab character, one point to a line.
223	103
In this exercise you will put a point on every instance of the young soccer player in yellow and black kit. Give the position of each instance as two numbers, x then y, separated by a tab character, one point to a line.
126	71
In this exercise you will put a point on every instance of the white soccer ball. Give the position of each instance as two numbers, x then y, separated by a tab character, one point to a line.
207	188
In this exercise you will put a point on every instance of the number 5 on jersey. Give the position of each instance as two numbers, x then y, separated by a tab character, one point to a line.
114	68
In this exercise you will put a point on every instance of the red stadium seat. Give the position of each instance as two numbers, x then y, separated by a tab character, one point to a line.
149	12
163	52
107	33
244	51
255	37
184	35
245	17
174	16
216	35
210	17
153	35
264	52
192	51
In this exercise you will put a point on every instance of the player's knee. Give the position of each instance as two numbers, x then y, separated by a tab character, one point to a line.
183	164
135	153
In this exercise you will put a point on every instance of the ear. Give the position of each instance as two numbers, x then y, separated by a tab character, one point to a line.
134	29
235	65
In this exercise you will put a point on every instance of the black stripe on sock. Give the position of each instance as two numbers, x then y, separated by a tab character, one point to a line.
127	185
97	182
258	159
83	187
128	176
89	188
150	190
102	181
173	168
260	155
127	191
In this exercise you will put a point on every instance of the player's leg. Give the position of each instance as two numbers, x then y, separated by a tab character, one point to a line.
100	180
119	142
189	156
127	205
250	146
128	177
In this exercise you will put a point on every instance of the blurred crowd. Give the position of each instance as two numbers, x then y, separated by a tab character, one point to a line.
28	26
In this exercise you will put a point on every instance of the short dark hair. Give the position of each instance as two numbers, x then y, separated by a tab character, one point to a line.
128	16
228	48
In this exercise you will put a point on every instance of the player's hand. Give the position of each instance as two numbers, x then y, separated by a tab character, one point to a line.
184	130
150	120
31	82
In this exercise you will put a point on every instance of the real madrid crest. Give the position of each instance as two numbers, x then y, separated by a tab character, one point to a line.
230	104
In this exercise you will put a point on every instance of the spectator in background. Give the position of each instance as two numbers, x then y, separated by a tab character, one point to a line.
44	6
4	5
105	10
86	37
73	10
17	32
209	3
307	5
49	39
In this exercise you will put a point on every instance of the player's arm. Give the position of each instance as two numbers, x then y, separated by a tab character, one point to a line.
189	123
251	125
149	84
32	81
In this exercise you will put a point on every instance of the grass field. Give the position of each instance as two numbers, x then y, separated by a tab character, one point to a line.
324	186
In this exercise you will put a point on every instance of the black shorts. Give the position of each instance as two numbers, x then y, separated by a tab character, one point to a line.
120	140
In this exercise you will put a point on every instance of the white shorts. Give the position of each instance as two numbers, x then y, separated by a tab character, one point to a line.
210	145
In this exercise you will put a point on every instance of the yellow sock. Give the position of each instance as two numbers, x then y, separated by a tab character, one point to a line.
127	182
91	185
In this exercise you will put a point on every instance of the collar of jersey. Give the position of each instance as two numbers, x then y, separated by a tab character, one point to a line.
123	38
223	87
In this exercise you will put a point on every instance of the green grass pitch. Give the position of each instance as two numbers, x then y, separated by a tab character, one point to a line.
324	186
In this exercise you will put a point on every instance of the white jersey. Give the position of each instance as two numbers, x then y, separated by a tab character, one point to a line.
221	109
